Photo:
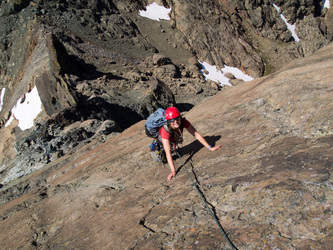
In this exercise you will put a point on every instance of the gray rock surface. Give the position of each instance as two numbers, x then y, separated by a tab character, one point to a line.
270	185
100	68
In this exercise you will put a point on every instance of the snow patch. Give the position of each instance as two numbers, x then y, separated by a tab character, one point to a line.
2	95
156	12
217	75
290	27
237	73
27	111
326	4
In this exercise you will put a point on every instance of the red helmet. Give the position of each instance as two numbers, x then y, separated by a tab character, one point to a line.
171	113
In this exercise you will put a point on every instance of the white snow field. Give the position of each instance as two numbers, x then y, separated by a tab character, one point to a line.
156	12
27	111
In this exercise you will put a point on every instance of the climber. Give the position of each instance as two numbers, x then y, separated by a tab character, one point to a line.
175	124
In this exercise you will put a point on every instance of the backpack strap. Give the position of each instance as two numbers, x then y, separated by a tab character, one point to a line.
159	138
165	126
178	138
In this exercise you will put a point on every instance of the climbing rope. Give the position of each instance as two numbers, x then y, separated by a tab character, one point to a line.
213	215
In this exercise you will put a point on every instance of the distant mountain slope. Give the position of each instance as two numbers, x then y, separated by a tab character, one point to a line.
101	62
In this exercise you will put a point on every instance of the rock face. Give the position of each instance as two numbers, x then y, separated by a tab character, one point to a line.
100	68
270	185
102	57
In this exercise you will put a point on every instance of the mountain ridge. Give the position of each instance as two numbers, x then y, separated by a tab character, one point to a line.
82	176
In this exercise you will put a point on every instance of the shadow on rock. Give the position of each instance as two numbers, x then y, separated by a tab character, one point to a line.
195	146
86	71
184	107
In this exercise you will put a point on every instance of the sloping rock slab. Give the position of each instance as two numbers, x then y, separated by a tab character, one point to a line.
270	185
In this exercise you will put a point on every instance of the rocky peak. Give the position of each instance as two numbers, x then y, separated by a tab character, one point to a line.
100	68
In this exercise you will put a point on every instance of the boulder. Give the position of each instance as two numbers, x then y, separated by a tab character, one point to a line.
161	60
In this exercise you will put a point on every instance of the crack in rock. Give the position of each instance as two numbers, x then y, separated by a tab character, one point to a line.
143	221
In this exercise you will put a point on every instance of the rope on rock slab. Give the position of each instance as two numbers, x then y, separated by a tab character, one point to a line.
211	212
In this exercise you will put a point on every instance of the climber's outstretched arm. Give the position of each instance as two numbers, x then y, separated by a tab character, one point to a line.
200	138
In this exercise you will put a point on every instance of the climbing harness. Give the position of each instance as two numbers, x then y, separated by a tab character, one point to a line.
157	152
213	215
